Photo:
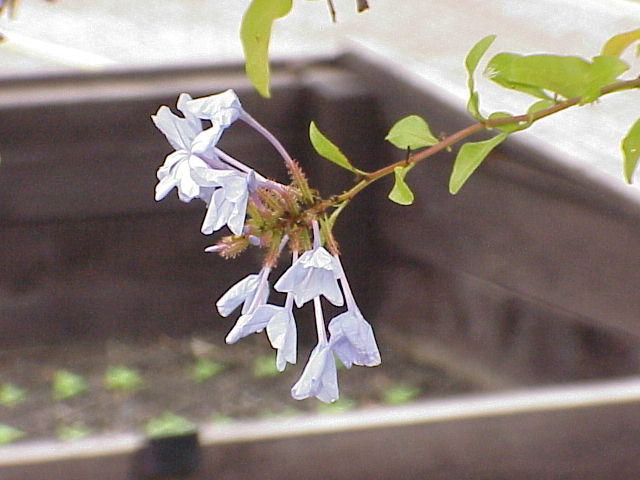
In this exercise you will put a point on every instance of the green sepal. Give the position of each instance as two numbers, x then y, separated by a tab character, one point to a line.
401	193
630	146
469	157
411	132
471	63
255	33
619	43
328	150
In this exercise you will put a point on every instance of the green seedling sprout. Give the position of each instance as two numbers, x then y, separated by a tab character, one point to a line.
399	394
168	424
9	434
11	395
66	384
264	366
122	379
72	431
203	369
342	405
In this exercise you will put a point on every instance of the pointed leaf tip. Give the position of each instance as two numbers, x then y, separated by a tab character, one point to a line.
255	34
326	149
411	132
469	157
631	151
401	193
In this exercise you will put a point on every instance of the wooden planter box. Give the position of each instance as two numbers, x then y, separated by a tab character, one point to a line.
528	273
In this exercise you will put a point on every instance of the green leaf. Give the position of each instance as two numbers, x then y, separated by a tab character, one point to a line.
399	394
411	132
604	70
11	395
618	43
401	193
72	432
121	378
66	385
469	157
203	369
328	150
9	434
500	70
168	425
264	366
566	76
631	150
255	33
518	126
471	63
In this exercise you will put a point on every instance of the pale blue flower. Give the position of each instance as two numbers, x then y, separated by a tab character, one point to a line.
222	108
315	273
282	333
227	204
319	378
352	339
181	133
244	293
252	322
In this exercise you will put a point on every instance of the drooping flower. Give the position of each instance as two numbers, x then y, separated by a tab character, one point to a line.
252	289
283	335
252	322
319	378
227	203
315	273
180	132
352	339
222	108
195	147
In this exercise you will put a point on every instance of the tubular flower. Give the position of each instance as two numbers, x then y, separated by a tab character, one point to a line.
319	378
315	273
352	340
227	201
283	335
251	289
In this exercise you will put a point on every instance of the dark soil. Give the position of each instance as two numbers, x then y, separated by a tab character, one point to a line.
164	364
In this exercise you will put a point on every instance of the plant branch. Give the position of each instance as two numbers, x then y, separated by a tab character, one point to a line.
369	178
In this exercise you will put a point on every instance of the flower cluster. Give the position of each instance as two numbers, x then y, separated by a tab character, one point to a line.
273	216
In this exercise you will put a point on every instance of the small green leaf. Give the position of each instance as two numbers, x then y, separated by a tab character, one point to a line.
9	434
255	34
11	395
399	394
500	70
121	378
66	385
264	366
72	432
203	369
469	157
631	150
401	193
168	425
518	126
411	132
603	70
471	63
619	43
328	150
